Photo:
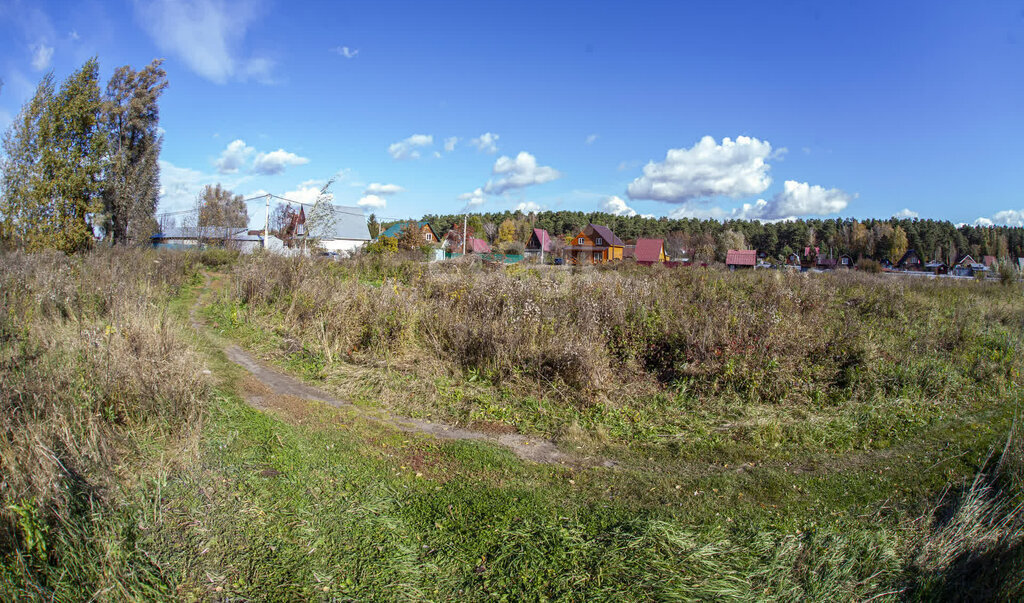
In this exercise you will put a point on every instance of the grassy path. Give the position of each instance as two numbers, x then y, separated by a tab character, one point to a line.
269	388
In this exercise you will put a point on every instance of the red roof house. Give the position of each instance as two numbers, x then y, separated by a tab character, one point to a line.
474	245
741	258
539	240
649	251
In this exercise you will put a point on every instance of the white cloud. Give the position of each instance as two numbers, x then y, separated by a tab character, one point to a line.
802	199
307	192
206	35
41	56
406	149
345	51
617	207
233	157
450	142
528	206
905	213
707	169
474	198
486	142
373	201
73	35
1007	217
796	200
275	162
590	139
376	188
520	172
180	186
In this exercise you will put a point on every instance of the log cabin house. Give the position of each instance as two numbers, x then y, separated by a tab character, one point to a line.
594	245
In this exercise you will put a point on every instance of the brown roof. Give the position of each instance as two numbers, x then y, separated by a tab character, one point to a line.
648	250
741	257
606	233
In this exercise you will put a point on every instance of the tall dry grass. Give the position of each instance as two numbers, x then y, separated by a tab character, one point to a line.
92	363
770	336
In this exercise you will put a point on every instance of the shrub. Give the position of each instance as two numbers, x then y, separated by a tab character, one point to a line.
868	265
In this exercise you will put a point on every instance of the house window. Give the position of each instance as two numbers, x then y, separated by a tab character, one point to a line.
579	241
429	237
597	256
600	241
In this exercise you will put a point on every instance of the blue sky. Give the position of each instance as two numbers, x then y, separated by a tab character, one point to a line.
711	109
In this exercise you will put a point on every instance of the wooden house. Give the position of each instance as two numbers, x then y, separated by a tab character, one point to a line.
737	259
540	244
910	261
428	234
594	245
650	251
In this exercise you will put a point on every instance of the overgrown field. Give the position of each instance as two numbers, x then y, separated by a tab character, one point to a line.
778	437
683	362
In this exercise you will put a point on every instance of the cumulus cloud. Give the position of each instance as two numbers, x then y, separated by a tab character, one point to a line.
275	162
528	206
233	157
376	188
486	142
617	207
345	51
206	35
474	198
802	199
450	142
796	200
590	139
406	149
41	56
905	213
707	169
520	172
373	201
1007	217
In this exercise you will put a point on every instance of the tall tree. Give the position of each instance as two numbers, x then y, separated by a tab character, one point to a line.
24	204
56	158
132	119
219	207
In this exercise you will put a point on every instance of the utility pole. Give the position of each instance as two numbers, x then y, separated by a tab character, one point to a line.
266	224
464	221
542	243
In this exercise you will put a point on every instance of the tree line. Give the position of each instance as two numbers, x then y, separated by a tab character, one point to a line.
80	163
709	239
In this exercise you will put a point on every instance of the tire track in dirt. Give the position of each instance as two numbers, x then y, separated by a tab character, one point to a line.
538	450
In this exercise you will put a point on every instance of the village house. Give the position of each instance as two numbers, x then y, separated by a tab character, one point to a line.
344	230
594	244
910	261
540	244
649	251
965	265
452	244
737	259
428	234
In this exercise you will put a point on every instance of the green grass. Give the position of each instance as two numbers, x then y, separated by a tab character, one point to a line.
716	496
